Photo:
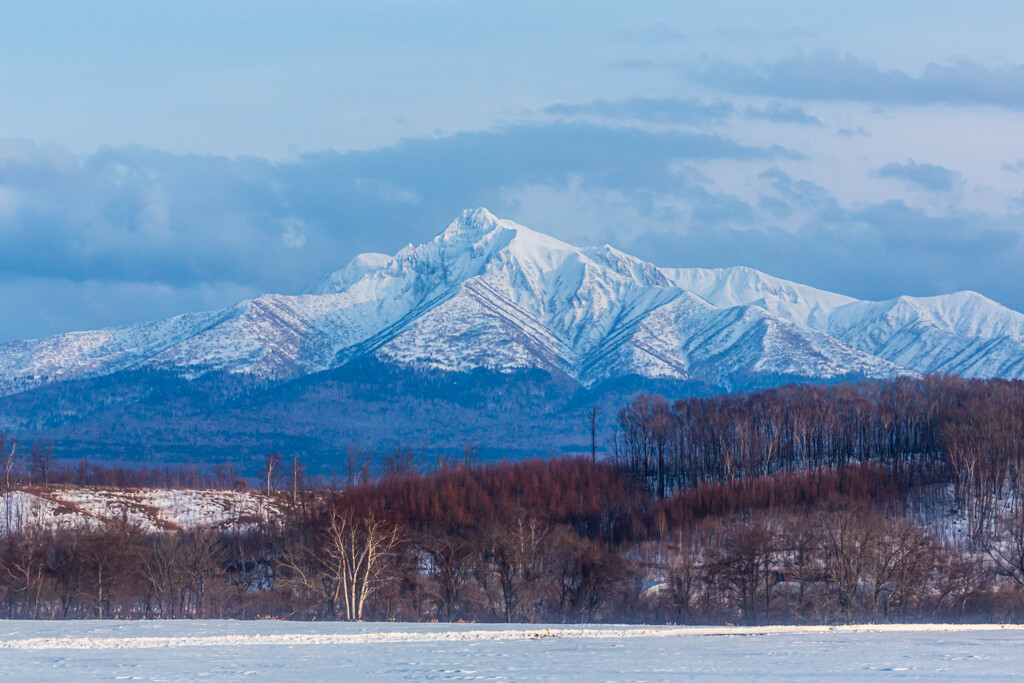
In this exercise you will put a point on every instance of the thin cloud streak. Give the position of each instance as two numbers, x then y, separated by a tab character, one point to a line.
828	76
665	111
929	176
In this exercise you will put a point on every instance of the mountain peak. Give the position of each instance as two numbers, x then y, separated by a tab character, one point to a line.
488	292
471	225
340	280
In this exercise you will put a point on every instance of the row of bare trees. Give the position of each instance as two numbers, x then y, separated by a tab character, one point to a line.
36	464
114	571
835	564
566	540
967	433
836	558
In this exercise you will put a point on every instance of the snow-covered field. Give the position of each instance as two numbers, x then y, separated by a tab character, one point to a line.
220	650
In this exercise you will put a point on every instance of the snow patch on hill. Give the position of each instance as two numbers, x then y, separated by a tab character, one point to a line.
148	509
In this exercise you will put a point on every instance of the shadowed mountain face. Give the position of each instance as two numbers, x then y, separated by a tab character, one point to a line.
445	342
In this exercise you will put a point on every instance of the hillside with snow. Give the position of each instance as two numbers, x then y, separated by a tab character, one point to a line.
148	509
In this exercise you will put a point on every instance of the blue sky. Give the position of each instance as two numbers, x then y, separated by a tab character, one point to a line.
157	158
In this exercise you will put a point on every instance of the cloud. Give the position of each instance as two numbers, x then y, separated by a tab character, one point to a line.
779	112
797	193
852	132
829	76
876	253
796	229
134	217
128	234
1016	168
954	238
654	33
35	307
929	176
666	111
294	236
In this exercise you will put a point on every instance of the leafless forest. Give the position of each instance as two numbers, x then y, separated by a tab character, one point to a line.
894	501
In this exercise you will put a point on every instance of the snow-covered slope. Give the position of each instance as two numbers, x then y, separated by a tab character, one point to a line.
490	293
962	333
726	287
149	509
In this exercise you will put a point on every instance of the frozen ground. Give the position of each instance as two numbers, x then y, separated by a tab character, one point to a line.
219	650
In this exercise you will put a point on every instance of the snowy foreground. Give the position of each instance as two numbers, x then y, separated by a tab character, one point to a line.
219	650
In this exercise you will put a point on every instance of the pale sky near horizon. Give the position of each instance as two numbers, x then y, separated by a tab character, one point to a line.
158	158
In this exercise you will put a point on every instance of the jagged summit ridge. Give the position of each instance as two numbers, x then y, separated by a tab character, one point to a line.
488	292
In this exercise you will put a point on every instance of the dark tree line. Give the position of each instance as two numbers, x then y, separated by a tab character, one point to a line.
35	464
967	433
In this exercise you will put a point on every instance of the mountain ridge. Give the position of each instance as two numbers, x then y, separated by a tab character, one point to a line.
489	293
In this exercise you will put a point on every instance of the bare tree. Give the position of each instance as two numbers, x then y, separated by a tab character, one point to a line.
747	561
584	575
40	458
8	465
515	555
347	565
592	414
899	566
398	462
1006	548
356	552
848	541
109	554
451	563
204	562
356	466
8	461
25	571
162	566
298	472
470	452
272	470
683	576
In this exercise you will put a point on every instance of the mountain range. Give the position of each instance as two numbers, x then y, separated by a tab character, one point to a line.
489	293
491	296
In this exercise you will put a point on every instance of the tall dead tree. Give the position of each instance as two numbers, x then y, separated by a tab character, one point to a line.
298	473
8	465
592	414
8	462
271	469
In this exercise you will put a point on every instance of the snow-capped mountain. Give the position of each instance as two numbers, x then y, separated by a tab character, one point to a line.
493	294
